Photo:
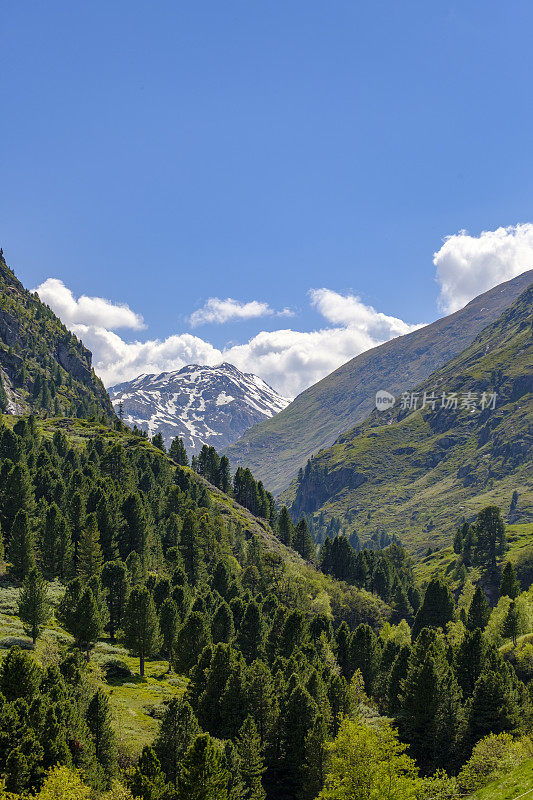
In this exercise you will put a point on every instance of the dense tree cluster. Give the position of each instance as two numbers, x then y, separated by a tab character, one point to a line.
280	681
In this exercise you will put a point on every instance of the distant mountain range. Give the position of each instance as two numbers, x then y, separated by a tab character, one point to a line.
417	472
202	405
276	448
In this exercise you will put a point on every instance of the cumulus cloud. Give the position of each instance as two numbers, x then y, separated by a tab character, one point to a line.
86	310
469	265
350	311
289	360
219	311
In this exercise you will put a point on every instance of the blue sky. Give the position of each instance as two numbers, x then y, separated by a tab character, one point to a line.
161	154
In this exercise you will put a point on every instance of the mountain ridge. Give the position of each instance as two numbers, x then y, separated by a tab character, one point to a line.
417	472
275	449
200	404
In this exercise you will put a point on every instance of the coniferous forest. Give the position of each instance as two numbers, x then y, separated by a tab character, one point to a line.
286	670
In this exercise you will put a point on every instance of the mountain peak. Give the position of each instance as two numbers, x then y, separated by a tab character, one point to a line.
203	404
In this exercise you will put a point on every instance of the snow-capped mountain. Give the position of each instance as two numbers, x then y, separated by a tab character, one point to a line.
203	405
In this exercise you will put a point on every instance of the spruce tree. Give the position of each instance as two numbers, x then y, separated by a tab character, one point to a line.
21	546
510	585
252	768
34	605
20	677
203	775
17	496
90	559
479	611
141	627
495	707
298	715
316	759
261	698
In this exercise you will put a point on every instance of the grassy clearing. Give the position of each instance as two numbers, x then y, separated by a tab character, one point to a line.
136	702
510	786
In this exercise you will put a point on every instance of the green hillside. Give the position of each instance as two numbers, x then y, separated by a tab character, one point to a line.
513	785
275	449
418	473
43	366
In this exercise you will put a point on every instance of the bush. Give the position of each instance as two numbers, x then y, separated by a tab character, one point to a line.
116	670
494	754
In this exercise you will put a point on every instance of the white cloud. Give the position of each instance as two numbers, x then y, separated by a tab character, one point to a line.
86	310
469	265
219	311
348	310
287	359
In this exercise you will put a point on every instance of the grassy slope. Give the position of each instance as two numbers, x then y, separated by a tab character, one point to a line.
408	464
275	449
510	786
133	699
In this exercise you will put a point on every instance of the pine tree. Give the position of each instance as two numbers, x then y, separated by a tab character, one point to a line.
178	453
34	605
494	707
510	585
168	622
90	559
316	759
298	715
86	622
303	541
479	611
511	623
192	637
17	495
177	731
20	676
252	768
251	632
99	721
261	698
224	475
203	775
115	580
21	546
365	653
189	548
159	442
490	539
437	608
135	534
141	627
3	394
148	780
469	661
222	627
285	527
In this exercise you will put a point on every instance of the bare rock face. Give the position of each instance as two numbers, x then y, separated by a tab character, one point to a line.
202	405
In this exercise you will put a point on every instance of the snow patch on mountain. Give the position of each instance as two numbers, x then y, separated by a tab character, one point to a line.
203	405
